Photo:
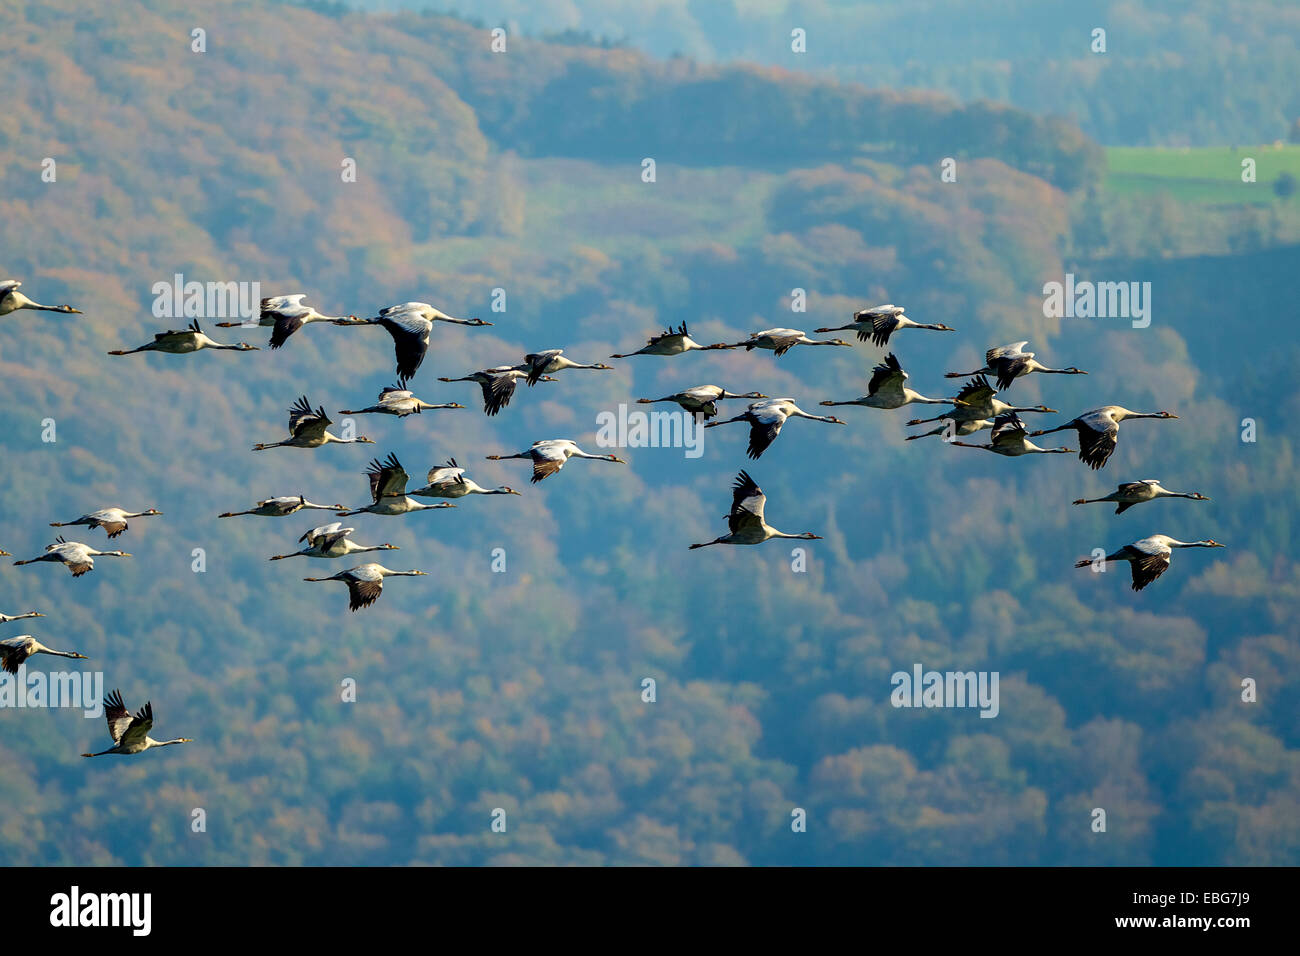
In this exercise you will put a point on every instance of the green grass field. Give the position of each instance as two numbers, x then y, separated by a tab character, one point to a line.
1206	175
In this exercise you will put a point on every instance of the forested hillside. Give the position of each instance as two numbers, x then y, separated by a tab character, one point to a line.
522	689
1221	73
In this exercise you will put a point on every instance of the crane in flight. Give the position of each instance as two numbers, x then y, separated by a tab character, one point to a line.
75	556
285	315
281	507
1136	492
549	456
184	341
449	481
746	523
1009	440
669	342
765	419
887	389
1148	558
15	650
131	733
331	541
388	491
700	400
1098	431
778	341
1006	363
11	300
307	429
366	582
498	384
397	400
112	520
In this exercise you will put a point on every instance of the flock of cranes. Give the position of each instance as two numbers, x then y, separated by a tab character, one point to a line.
974	408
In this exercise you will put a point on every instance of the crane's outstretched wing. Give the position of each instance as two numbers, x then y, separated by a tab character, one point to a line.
306	422
546	462
1004	351
1147	565
363	592
977	391
1129	488
1009	367
325	529
763	431
410	332
387	478
537	362
887	374
286	322
883	326
1097	439
14	651
747	503
497	392
448	474
784	343
122	727
395	393
1008	429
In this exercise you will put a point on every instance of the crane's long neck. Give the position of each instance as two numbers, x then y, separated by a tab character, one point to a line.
1126	416
579	453
919	399
356	548
54	653
800	413
5	618
1190	544
27	303
165	743
308	504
